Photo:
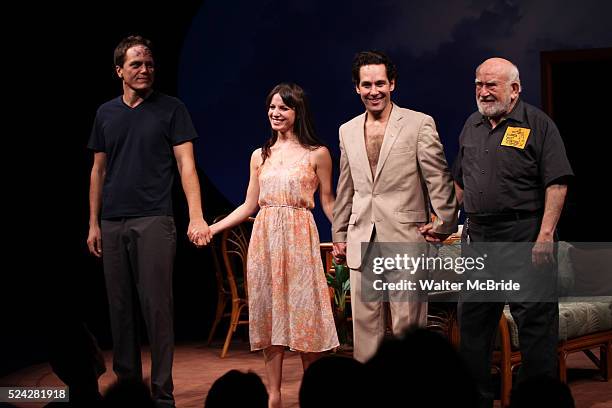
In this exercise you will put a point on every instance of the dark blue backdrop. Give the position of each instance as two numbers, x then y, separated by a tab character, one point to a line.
235	52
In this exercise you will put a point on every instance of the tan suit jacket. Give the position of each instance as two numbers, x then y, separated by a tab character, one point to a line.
411	173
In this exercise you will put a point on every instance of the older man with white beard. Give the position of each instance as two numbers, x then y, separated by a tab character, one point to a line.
510	174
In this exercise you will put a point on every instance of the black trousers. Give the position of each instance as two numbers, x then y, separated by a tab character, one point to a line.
538	322
138	255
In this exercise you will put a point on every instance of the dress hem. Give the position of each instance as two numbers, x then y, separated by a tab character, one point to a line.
257	348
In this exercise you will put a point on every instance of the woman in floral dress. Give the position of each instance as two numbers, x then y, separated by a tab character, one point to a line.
289	303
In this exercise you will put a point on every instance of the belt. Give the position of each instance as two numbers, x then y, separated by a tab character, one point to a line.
490	218
284	206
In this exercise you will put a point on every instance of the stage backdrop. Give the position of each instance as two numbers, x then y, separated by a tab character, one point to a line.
235	52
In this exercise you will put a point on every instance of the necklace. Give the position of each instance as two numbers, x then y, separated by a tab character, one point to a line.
286	146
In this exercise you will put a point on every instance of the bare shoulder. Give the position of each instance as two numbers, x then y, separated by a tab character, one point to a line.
321	151
320	156
256	157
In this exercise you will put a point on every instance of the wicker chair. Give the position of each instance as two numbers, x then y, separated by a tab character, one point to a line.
230	257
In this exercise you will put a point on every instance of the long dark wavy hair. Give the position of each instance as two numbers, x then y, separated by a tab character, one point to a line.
293	96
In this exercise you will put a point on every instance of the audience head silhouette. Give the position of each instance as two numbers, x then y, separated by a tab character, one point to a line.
541	391
236	389
423	366
343	375
128	393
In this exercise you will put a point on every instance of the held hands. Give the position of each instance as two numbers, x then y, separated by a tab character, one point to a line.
94	240
339	252
199	233
430	235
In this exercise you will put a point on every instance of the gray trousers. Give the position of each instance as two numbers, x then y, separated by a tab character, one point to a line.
138	255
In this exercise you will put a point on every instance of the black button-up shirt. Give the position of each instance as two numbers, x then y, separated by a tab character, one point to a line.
498	178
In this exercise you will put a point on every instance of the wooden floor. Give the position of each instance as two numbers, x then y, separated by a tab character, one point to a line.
196	367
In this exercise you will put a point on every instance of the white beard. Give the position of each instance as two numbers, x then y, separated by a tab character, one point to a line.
495	109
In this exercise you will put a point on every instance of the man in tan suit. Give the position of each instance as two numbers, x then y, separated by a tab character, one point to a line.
392	167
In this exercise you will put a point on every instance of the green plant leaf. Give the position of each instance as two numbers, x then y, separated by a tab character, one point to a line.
346	286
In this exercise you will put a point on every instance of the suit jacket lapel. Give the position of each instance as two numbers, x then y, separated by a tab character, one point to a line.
359	141
393	128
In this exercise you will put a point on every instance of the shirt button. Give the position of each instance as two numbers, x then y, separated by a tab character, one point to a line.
480	192
486	150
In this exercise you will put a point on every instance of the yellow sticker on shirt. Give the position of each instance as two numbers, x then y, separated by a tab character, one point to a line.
516	137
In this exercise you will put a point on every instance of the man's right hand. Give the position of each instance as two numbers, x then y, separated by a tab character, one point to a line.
430	235
339	252
94	240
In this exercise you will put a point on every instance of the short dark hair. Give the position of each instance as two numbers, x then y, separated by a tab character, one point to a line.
126	44
128	392
541	390
237	389
344	372
373	58
426	359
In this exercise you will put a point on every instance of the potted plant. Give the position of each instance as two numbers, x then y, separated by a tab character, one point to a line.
341	285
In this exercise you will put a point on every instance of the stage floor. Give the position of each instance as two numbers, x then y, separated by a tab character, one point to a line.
196	367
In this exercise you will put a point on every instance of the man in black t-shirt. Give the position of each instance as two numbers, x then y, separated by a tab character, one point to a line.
511	175
137	138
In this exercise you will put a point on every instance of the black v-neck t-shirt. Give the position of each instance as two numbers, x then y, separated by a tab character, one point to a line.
140	163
